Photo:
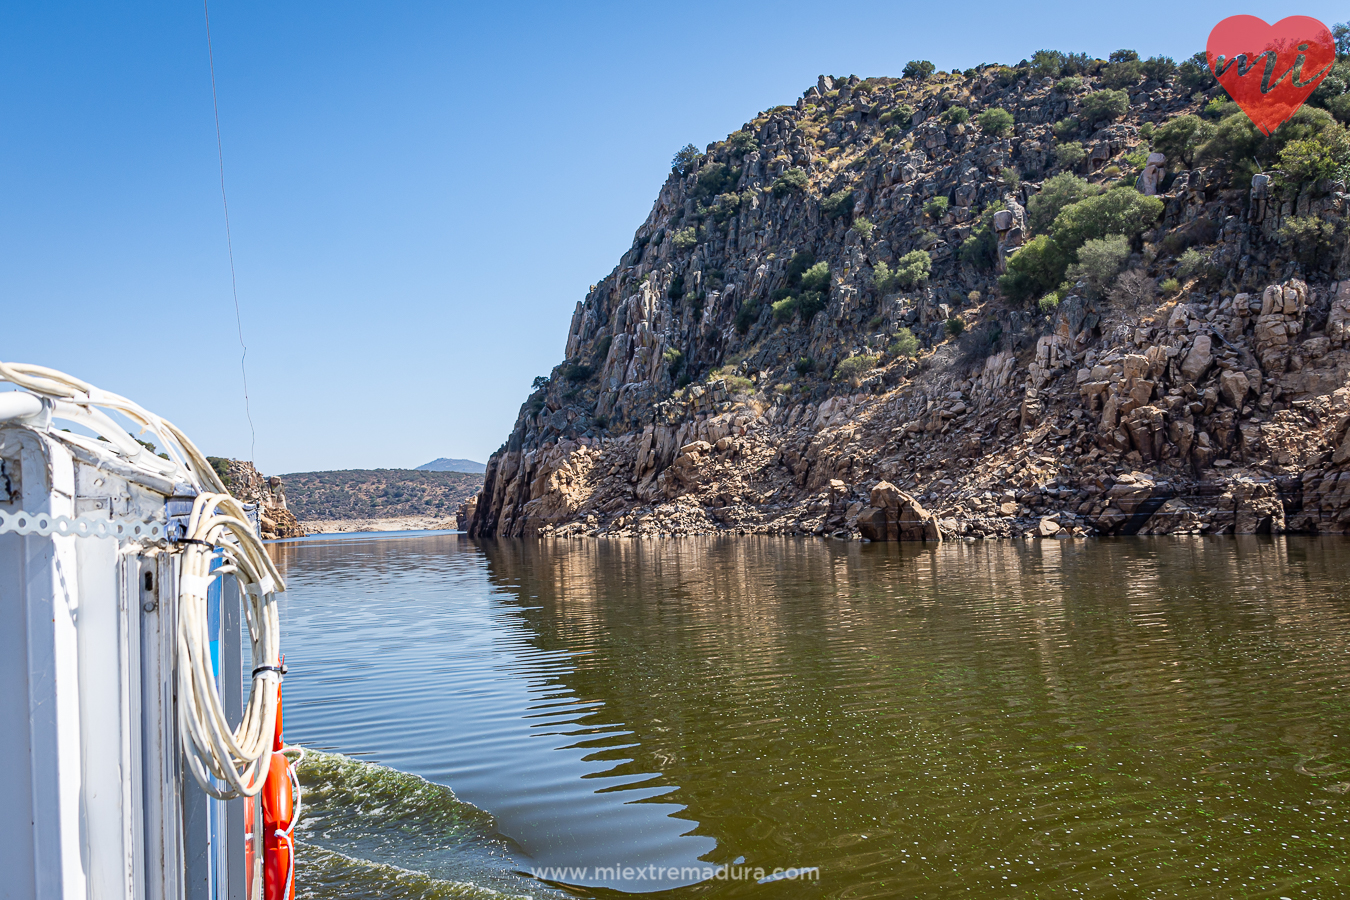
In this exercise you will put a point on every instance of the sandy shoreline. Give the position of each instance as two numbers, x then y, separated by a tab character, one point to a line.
403	523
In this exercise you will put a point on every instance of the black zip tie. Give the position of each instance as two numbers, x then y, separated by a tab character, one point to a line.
195	541
280	670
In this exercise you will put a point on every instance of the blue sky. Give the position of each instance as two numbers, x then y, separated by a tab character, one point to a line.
420	192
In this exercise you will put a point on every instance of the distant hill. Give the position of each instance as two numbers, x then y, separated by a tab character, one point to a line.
378	493
453	465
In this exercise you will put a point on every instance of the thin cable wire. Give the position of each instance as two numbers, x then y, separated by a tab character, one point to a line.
229	241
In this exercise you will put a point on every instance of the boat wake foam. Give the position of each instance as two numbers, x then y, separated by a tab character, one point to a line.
370	831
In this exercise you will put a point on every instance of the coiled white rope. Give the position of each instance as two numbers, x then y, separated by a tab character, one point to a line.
238	758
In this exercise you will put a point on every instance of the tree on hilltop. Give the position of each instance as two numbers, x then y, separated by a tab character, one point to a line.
919	69
684	158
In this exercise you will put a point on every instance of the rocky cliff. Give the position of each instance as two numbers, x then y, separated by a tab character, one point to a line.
247	484
1054	298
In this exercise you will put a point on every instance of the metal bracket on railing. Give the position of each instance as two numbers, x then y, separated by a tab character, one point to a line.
45	524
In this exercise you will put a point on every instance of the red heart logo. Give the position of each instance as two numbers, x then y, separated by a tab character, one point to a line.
1269	70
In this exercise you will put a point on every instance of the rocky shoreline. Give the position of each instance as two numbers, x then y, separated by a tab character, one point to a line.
1077	448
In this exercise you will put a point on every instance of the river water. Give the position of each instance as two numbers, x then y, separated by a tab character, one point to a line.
776	717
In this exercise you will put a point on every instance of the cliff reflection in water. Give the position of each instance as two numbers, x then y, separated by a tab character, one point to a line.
911	716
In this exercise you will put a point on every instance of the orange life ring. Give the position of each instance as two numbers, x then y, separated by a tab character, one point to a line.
278	814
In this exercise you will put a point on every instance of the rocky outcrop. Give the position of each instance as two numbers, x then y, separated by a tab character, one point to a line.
896	516
248	485
688	403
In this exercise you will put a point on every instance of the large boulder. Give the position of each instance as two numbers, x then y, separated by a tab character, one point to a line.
1198	360
1233	385
896	516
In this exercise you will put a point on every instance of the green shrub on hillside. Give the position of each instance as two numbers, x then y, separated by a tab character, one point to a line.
602	351
955	325
996	121
1160	68
1033	270
797	266
840	203
804	365
904	344
1070	155
1194	74
1122	210
816	278
899	116
1233	138
1078	64
937	207
806	290
1057	192
714	179
1124	74
1067	127
1099	262
1303	162
1192	264
792	181
222	469
956	115
1236	141
1046	64
685	238
864	228
854	367
673	359
913	269
980	249
728	205
882	276
1101	106
1311	239
811	302
743	142
1331	93
1070	85
577	372
1180	138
